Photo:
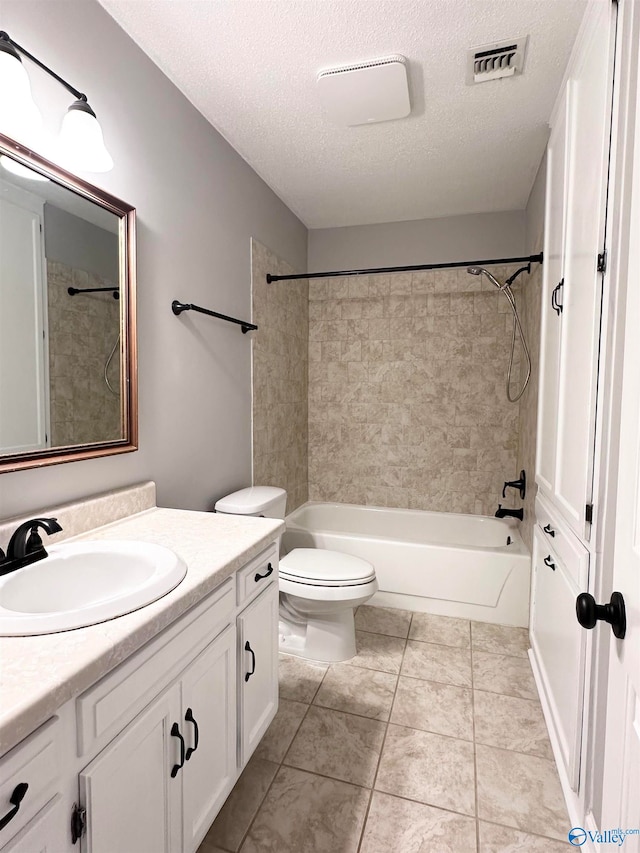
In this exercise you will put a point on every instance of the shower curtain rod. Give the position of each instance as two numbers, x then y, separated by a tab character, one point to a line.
533	259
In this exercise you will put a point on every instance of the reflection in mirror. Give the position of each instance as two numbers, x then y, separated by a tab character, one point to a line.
67	349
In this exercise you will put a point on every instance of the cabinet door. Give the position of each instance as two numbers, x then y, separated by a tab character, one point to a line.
551	319
132	802
258	669
588	165
559	644
209	725
48	832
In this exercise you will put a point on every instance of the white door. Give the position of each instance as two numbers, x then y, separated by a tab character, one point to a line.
132	800
209	726
621	784
258	669
23	353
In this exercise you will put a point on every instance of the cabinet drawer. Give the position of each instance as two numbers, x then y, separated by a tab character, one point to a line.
257	574
48	832
36	761
107	707
565	545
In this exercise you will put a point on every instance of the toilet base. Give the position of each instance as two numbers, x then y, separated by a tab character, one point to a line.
327	640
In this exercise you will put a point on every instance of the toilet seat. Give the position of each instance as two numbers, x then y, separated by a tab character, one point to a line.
322	567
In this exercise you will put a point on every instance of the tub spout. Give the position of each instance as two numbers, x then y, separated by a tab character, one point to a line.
509	513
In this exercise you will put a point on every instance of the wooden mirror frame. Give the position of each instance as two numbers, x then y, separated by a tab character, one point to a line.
127	285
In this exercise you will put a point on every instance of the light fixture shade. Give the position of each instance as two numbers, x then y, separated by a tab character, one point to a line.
21	171
19	116
81	144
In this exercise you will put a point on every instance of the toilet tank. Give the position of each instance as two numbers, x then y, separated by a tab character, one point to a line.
267	501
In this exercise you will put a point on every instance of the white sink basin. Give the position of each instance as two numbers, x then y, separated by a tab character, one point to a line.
81	583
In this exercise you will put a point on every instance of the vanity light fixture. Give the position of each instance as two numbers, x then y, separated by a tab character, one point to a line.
80	144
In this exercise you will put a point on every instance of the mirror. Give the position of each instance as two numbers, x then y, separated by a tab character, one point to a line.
68	373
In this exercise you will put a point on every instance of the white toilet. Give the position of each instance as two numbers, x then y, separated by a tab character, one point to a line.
319	589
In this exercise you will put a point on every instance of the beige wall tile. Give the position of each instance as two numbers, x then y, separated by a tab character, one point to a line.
283	348
83	330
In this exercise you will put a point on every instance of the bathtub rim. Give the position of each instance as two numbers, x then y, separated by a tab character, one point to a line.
517	545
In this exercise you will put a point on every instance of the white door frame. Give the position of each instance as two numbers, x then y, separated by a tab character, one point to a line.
608	429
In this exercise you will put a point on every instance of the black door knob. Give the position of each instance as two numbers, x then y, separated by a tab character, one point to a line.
588	612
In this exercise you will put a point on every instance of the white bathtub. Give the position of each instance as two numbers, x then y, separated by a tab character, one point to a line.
434	562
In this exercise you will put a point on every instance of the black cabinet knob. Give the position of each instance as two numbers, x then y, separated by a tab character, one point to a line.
588	612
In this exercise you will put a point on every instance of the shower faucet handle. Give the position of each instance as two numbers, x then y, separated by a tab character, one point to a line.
520	484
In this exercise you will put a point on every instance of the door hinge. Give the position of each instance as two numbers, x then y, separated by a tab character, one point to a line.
602	261
588	513
78	822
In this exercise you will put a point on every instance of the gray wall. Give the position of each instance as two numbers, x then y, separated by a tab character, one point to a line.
80	244
453	238
534	214
198	204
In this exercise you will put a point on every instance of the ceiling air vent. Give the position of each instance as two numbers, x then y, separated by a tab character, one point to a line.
493	61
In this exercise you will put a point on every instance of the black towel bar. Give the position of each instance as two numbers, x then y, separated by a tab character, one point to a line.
179	307
113	290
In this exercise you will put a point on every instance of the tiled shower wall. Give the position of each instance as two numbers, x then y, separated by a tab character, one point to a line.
82	331
407	402
280	370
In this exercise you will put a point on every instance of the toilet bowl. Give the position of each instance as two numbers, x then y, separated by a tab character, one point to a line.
319	589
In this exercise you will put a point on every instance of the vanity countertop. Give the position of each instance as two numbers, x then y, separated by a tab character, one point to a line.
39	674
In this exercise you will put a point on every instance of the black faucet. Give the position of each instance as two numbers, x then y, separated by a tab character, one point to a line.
520	484
25	546
509	513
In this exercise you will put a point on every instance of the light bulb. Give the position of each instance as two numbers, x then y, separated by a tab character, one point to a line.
81	144
19	116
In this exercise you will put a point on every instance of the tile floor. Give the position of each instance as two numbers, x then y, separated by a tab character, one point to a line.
431	740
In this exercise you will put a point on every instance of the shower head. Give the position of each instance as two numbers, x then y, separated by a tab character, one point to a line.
483	271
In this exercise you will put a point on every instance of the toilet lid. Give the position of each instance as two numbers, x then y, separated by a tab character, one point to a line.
321	567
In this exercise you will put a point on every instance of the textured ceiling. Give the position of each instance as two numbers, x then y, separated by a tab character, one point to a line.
250	67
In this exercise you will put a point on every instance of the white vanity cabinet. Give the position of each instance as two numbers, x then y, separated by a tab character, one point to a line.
30	792
48	832
172	768
161	739
258	673
130	800
210	731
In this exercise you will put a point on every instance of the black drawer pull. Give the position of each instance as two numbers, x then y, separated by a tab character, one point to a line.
196	734
15	799
548	529
549	562
247	648
175	732
260	577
